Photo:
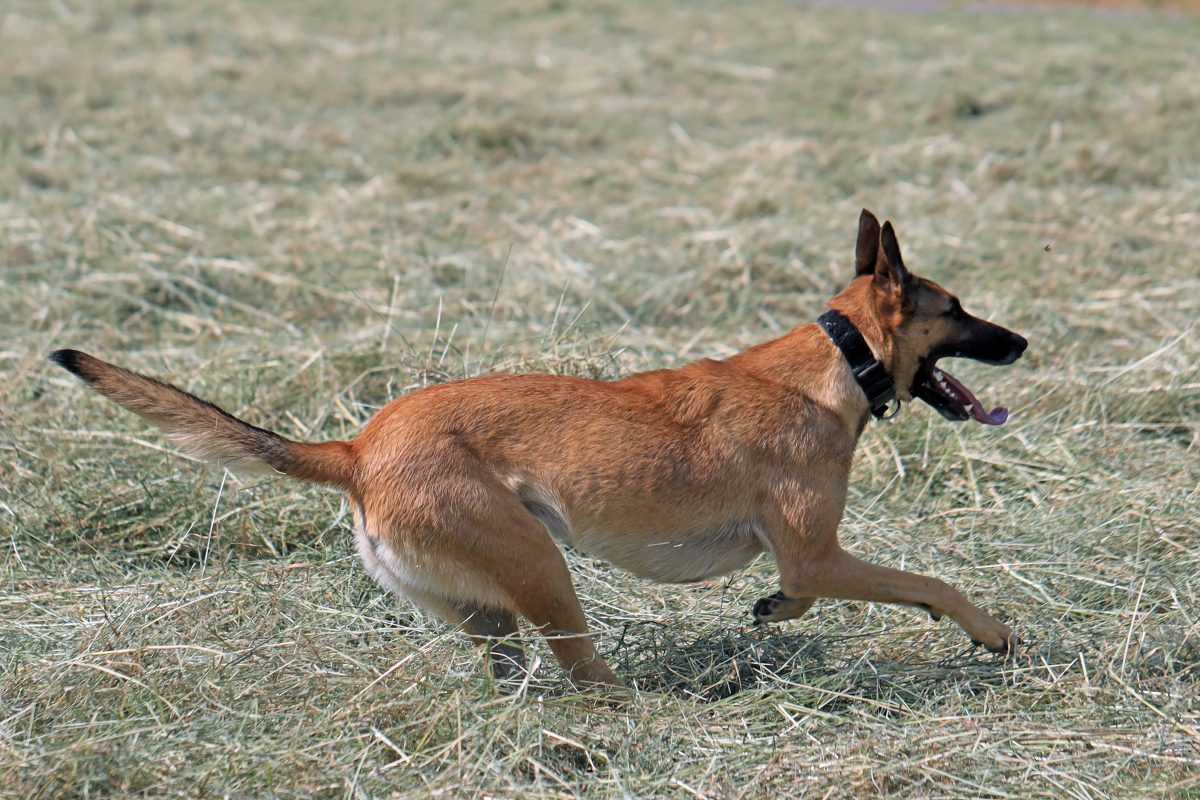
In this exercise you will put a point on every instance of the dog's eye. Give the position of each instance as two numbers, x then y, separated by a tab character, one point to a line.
955	311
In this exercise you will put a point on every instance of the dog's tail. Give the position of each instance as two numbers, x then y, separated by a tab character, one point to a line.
209	433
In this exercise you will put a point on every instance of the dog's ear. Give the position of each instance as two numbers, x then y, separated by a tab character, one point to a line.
890	267
866	253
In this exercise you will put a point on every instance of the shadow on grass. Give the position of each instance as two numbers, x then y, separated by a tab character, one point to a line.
836	670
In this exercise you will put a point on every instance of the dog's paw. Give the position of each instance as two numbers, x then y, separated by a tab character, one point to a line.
766	607
1005	645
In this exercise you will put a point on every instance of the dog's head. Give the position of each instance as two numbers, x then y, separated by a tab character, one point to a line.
916	322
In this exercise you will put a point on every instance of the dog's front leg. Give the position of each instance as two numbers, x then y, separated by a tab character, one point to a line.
816	566
837	574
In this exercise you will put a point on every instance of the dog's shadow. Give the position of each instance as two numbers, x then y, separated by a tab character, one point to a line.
718	665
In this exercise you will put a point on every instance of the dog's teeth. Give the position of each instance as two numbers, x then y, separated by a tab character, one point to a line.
937	373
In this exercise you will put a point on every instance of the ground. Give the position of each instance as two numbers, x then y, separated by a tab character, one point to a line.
299	210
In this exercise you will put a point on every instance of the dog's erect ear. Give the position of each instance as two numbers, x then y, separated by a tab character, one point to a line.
890	268
866	253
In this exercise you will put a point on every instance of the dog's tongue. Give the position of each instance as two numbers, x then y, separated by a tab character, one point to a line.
997	416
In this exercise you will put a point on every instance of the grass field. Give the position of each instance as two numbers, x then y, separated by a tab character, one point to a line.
300	210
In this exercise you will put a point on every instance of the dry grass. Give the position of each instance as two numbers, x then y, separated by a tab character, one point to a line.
300	210
1170	6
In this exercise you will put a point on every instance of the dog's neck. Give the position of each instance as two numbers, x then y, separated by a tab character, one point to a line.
857	303
808	360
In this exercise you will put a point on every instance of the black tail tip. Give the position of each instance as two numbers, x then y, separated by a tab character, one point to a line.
68	360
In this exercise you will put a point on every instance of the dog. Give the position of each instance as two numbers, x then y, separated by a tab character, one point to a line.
462	491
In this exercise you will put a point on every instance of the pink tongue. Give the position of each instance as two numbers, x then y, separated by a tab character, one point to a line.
997	416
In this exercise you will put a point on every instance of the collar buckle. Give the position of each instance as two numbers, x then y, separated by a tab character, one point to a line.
882	411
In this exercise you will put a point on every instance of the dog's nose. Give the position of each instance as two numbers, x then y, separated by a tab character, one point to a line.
1019	346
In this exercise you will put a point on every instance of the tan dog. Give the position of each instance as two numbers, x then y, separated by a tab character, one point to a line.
460	490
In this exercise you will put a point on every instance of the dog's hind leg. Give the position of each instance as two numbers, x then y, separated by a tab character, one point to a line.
529	572
533	573
486	625
478	561
492	628
500	543
496	630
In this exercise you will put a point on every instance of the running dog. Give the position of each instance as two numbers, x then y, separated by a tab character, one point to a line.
461	490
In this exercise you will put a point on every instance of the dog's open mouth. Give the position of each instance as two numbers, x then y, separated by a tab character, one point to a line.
951	399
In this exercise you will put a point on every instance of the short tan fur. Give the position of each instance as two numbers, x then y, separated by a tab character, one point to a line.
461	490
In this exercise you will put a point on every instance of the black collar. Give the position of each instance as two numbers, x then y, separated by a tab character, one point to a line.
871	376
